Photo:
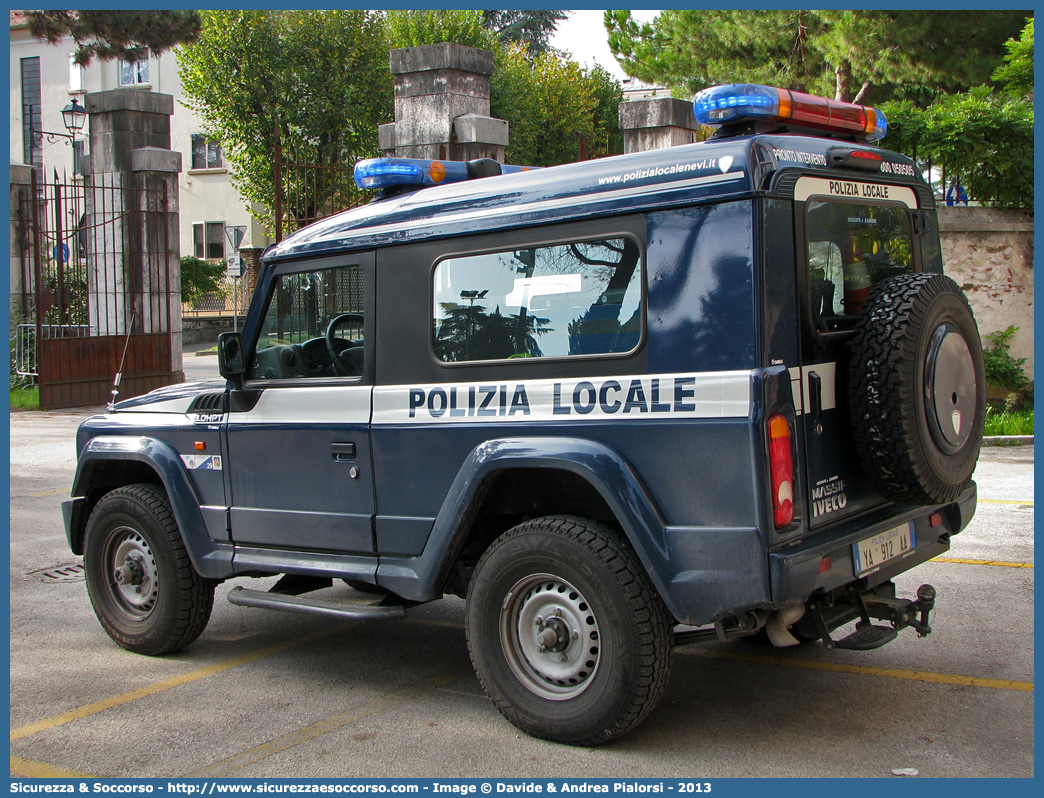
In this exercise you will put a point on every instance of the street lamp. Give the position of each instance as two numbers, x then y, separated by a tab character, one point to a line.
73	116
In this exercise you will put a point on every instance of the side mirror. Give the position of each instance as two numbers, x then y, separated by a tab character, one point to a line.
231	365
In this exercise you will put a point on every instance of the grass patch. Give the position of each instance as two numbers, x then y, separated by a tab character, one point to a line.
1009	422
26	398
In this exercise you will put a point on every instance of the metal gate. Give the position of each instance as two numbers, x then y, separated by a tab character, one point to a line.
305	191
97	297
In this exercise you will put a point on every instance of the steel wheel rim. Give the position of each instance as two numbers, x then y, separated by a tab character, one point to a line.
136	591
550	637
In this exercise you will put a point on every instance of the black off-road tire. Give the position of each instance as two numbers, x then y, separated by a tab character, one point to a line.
914	342
576	576
171	603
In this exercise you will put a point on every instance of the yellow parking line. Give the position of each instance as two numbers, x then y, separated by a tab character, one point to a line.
894	673
1003	501
294	738
26	768
839	667
166	684
983	562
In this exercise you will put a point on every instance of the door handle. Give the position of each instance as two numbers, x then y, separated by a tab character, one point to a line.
342	452
815	400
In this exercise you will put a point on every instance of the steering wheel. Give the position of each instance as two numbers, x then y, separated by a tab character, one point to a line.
335	354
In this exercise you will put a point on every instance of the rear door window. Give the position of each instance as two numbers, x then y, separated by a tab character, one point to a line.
851	248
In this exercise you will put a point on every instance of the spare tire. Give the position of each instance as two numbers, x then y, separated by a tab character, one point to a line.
918	389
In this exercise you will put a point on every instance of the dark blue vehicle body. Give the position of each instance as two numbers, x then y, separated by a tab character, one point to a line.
374	478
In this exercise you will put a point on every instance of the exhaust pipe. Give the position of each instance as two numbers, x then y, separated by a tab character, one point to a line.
777	626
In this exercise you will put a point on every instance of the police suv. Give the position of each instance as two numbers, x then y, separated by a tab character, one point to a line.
714	391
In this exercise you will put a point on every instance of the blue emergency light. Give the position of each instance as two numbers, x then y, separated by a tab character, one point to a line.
741	102
395	172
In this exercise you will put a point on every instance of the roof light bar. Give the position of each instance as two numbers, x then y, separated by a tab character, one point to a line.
394	172
739	102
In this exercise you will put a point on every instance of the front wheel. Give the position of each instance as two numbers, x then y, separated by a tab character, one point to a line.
142	585
566	632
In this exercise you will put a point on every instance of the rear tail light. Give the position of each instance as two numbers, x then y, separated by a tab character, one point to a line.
781	468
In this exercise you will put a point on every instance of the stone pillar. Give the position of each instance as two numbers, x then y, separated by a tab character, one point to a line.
442	105
21	180
134	264
657	122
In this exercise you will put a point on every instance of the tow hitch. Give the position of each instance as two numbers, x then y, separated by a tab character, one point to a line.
826	614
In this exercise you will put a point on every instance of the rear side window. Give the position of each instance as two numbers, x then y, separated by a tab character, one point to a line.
851	248
577	298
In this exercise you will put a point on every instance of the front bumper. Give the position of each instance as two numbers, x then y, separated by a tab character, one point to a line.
825	563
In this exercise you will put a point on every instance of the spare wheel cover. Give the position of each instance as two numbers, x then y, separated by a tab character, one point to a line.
917	383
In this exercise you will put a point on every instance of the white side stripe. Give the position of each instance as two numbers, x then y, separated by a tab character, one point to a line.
723	394
799	383
304	404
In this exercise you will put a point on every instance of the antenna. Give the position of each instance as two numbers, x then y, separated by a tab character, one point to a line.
119	374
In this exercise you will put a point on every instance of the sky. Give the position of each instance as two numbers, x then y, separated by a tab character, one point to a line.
583	35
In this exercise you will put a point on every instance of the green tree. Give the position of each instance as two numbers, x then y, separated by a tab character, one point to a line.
1017	71
860	56
979	139
689	50
1001	368
111	35
199	277
531	28
608	138
318	77
549	103
417	28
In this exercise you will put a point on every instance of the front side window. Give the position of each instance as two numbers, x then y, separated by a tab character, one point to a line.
579	298
313	327
206	153
135	73
851	248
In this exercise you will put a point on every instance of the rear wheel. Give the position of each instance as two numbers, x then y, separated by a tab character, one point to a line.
141	583
566	632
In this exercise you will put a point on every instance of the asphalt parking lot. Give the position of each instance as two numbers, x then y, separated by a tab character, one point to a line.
278	695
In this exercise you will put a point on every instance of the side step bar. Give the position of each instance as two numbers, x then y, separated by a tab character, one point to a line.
313	606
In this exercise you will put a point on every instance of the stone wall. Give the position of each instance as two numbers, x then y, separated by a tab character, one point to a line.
990	254
205	331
